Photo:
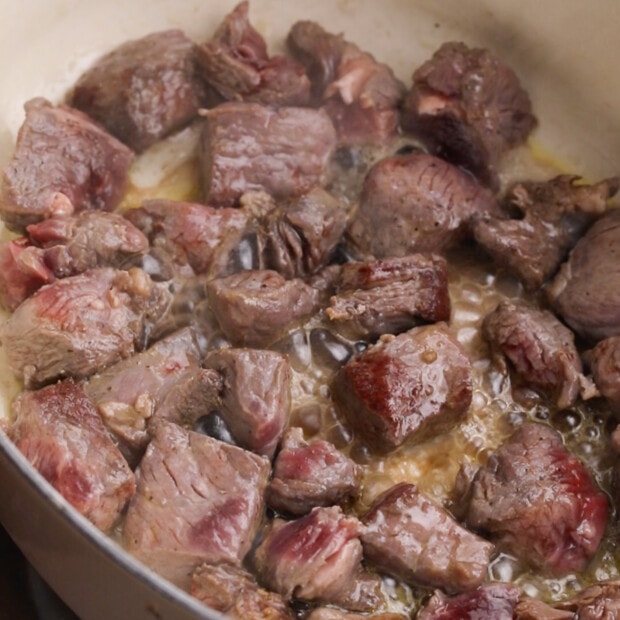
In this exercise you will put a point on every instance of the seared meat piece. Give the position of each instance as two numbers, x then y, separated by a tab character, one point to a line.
360	94
248	147
318	558
201	236
255	395
535	609
411	538
235	62
405	388
490	600
234	592
63	163
584	292
76	326
332	613
197	500
390	296
539	349
416	203
604	363
312	474
60	432
552	216
538	502
469	108
144	89
254	307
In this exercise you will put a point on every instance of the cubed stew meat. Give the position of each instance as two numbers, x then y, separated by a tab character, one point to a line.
358	361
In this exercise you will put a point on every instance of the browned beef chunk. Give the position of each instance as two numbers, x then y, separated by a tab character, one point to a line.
469	108
411	538
604	363
551	217
129	393
250	147
416	203
256	395
539	349
193	234
333	613
584	292
390	296
491	600
405	388
234	592
63	163
538	502
76	326
236	63
197	500
60	432
318	558
535	609
255	307
144	89
360	94
312	474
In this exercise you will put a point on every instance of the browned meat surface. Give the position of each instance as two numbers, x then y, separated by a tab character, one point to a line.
235	62
234	592
390	296
60	432
534	609
494	601
197	500
63	163
255	395
318	558
539	350
538	502
416	203
360	94
191	234
550	218
469	108
255	307
80	324
250	147
584	292
604	363
144	89
412	539
332	613
310	474
405	388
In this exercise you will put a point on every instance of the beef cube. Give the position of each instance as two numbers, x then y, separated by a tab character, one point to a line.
144	89
333	613
255	307
405	388
537	501
235	592
306	475
417	203
197	500
317	558
76	326
411	538
469	108
236	64
250	147
535	609
197	235
490	600
390	296
584	291
63	163
360	94
540	350
59	431
256	395
604	363
550	218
